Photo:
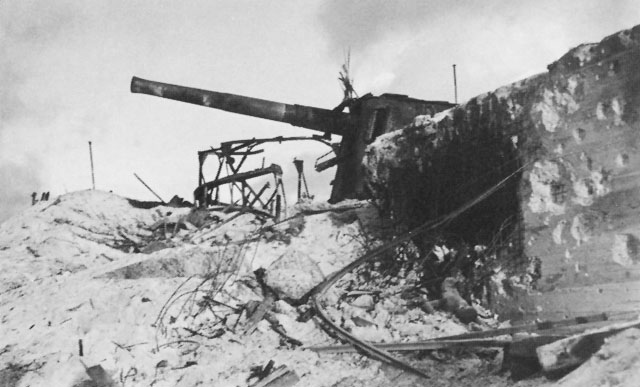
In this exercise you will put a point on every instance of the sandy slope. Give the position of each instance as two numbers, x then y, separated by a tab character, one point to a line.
69	273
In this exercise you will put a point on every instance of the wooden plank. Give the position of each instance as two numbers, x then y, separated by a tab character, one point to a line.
258	314
574	350
280	377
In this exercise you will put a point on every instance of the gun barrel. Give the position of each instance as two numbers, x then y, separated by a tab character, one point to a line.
308	117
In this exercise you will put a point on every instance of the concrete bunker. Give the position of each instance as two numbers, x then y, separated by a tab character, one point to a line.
566	220
427	172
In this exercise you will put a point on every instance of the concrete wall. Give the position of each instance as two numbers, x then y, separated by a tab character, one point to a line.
575	132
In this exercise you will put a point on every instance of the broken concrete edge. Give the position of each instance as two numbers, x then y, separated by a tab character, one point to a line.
574	350
440	125
581	56
312	208
591	53
592	85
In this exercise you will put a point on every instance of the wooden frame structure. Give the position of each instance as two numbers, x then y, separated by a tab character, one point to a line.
269	200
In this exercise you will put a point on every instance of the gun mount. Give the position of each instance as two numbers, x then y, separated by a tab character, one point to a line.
368	117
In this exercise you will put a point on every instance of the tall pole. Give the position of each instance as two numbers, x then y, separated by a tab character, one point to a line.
455	85
93	178
299	166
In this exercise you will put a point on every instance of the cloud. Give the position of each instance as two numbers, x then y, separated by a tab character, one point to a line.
362	24
379	34
18	182
27	28
493	42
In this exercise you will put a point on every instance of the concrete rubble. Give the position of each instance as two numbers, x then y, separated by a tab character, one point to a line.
180	315
73	271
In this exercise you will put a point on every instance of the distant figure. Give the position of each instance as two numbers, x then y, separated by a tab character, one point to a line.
43	198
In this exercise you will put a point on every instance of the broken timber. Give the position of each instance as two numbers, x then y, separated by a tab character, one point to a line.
269	200
238	177
557	329
573	351
280	377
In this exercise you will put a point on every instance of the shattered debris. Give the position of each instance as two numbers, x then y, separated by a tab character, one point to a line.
122	307
170	315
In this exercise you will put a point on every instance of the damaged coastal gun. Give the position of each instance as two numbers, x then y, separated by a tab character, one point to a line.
367	118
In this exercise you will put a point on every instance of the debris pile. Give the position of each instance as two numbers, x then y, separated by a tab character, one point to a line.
152	298
89	280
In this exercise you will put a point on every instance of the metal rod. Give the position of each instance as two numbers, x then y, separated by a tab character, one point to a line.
455	85
93	178
306	187
299	167
419	345
299	186
149	188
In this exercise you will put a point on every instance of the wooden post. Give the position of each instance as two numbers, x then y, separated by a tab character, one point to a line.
278	207
93	179
455	85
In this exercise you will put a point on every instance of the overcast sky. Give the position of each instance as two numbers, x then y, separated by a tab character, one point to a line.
65	69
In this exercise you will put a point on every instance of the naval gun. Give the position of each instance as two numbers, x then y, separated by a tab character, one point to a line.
367	118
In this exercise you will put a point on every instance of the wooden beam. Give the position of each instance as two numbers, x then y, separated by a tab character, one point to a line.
574	350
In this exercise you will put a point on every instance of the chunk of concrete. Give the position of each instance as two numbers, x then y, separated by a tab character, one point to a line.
624	250
293	275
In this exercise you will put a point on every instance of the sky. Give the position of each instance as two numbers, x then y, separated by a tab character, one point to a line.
66	66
